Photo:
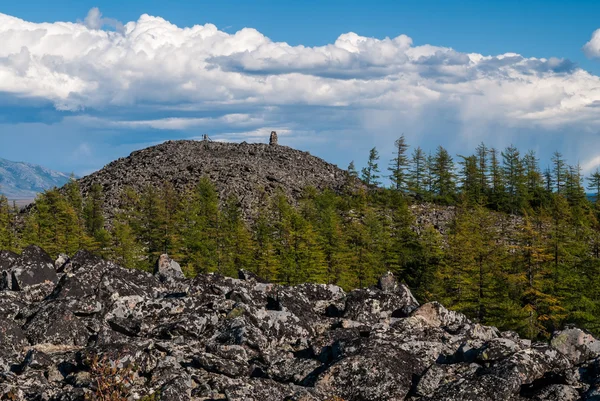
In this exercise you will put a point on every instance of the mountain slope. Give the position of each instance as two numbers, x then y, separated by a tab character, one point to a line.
244	170
23	180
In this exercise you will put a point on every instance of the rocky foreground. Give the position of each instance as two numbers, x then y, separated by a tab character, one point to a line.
86	329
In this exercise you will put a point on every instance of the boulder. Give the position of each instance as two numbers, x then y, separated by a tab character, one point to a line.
370	306
7	259
378	373
434	314
577	345
221	338
166	268
60	262
557	392
33	267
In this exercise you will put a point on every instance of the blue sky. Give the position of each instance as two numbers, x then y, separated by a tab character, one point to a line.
74	97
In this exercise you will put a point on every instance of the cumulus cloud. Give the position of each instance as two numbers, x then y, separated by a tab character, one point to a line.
79	66
592	48
95	20
200	77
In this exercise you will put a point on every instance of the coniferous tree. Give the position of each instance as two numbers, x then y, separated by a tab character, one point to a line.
559	171
466	282
429	177
235	242
94	219
200	230
399	165
417	178
266	263
497	190
470	179
443	175
126	250
482	153
7	242
352	170
594	185
329	226
513	173
534	180
531	273
370	174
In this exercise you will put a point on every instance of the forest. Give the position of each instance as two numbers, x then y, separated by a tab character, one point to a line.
522	251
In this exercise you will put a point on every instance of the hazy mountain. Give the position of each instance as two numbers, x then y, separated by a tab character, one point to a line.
23	180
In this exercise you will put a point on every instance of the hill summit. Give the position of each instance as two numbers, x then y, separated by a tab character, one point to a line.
244	170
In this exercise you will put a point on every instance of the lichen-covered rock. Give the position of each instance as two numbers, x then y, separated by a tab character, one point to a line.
497	349
166	268
221	338
33	267
7	259
557	392
434	314
370	306
60	262
576	345
55	323
377	373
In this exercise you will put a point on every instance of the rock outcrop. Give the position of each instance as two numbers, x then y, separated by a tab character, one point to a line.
71	328
245	170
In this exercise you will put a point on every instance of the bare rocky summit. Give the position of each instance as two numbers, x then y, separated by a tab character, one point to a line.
89	323
244	170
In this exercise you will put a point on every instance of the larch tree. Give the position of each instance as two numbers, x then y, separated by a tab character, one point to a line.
444	185
370	173
399	165
418	171
558	171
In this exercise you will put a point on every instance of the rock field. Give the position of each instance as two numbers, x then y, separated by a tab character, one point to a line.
80	328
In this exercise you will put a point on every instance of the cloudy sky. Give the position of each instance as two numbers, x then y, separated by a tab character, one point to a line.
83	83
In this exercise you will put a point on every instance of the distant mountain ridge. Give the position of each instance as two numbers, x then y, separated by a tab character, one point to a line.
19	180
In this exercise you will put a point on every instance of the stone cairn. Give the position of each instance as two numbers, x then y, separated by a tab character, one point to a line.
273	138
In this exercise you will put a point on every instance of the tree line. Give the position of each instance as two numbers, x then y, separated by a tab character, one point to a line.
522	249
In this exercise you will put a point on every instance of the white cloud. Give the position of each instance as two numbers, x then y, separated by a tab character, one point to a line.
150	74
94	20
592	48
79	66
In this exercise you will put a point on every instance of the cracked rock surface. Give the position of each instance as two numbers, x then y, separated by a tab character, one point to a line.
220	338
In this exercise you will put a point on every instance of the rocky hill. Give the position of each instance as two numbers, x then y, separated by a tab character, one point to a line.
241	169
81	328
24	181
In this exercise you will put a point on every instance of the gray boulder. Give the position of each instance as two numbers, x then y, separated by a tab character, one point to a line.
33	267
166	268
577	345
